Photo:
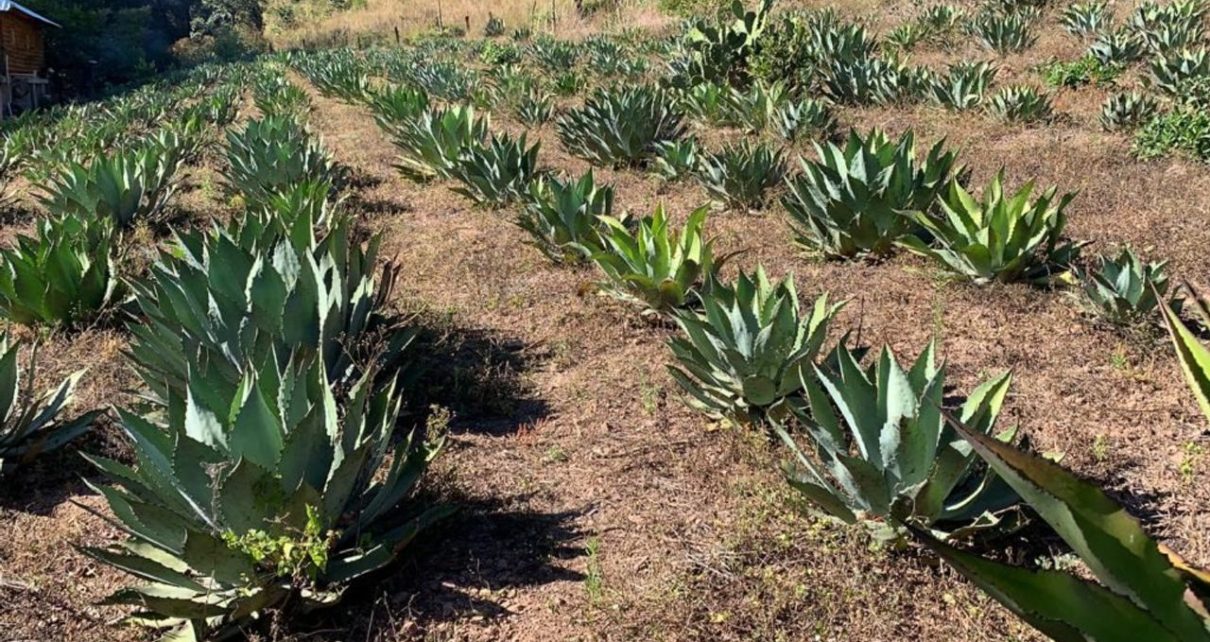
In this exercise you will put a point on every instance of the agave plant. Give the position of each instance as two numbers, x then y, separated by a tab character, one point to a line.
848	202
749	349
1171	26
125	187
1021	104
677	159
795	119
265	286
1127	110
494	27
1005	33
883	455
1170	73
754	109
1142	590
1003	238
964	86
1120	47
871	81
497	173
432	145
740	175
64	275
621	127
1083	18
269	495
534	109
564	218
707	102
397	105
272	154
1124	290
652	266
554	55
30	424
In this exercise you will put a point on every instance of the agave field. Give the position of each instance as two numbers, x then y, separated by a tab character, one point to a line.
807	321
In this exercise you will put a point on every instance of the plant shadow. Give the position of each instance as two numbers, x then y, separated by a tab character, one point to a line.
40	485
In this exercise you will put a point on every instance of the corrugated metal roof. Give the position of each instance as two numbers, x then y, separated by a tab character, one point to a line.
9	5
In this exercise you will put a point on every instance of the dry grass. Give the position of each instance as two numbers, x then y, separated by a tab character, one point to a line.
380	20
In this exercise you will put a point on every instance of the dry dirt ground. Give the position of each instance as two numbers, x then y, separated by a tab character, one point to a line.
596	506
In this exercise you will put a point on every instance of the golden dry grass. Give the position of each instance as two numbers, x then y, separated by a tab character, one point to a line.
380	19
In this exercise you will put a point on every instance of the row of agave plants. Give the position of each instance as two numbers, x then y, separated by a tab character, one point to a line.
880	445
267	474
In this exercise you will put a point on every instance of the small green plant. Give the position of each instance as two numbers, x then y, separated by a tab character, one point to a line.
797	119
848	203
964	86
749	348
1081	71
1116	48
621	127
594	580
740	175
563	218
1004	237
1123	290
652	266
31	424
534	109
64	275
1021	104
677	159
1185	128
497	173
1005	33
1127	110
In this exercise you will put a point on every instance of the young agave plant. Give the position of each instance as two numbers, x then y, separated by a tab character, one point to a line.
797	119
272	154
1021	104
1005	33
564	218
754	109
740	175
1170	74
1124	290
621	127
1084	18
848	203
883	454
708	103
30	425
1127	110
397	105
124	187
1003	238
1120	47
1142	590
269	495
432	146
964	86
677	159
498	173
534	109
652	266
64	275
870	81
749	349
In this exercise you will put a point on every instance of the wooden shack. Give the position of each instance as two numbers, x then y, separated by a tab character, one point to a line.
22	57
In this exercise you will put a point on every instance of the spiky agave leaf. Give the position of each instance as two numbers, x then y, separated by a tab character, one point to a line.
563	218
498	173
272	154
1145	591
1192	355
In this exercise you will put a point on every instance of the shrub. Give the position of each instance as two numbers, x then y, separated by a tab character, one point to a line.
1186	128
1003	238
749	349
620	127
741	174
884	455
848	202
31	424
564	218
63	276
652	266
1082	71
